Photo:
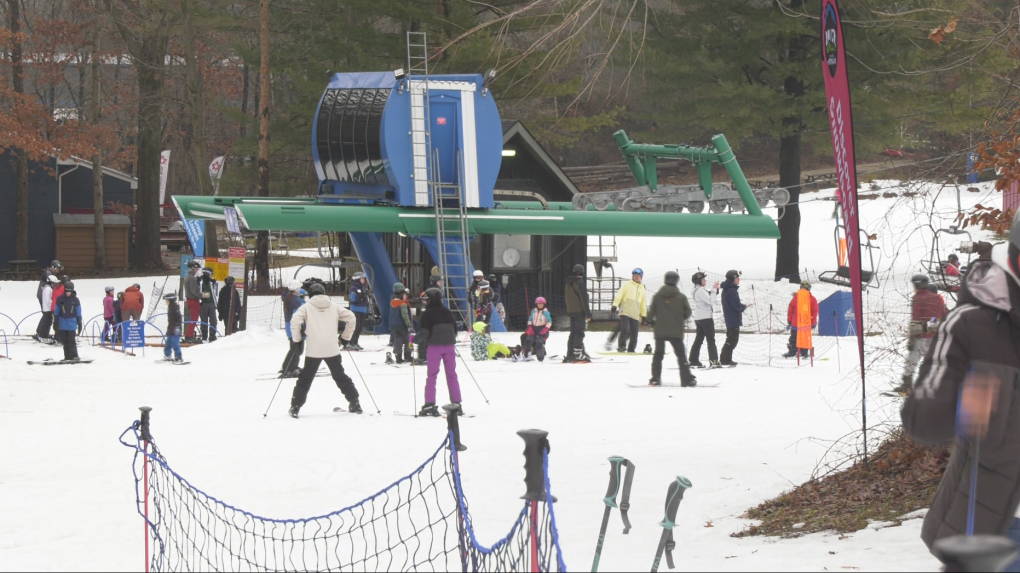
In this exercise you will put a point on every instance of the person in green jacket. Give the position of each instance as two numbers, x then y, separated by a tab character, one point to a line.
669	313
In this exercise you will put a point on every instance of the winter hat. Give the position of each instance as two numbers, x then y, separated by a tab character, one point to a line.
170	297
399	288
483	284
357	275
920	281
579	269
294	285
540	300
697	277
110	289
805	285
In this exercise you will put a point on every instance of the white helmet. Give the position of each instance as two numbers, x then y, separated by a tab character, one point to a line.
53	279
294	285
479	274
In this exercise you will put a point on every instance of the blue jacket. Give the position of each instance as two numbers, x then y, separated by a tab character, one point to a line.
358	297
291	302
733	310
68	312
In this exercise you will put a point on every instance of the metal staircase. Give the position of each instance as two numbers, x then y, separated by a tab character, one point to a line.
452	230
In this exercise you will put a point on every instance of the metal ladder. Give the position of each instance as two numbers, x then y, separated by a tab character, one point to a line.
446	196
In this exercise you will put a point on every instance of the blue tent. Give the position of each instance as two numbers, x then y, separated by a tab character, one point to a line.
836	315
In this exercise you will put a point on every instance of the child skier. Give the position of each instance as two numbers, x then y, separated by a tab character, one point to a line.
358	297
487	300
538	331
69	321
438	330
480	341
435	282
400	325
174	320
291	302
108	313
118	316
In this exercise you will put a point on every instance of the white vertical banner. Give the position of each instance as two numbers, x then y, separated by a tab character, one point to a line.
216	172
164	164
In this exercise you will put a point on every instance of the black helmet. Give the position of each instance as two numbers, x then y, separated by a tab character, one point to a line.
578	269
730	275
954	257
315	289
492	278
193	264
56	265
434	294
172	297
672	278
920	281
69	286
697	277
228	281
435	280
65	279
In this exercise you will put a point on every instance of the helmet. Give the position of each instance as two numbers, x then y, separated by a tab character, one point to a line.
138	286
207	271
52	279
294	285
358	275
65	279
477	274
697	277
540	300
316	289
120	294
637	272
672	278
578	269
228	281
920	281
110	289
434	280
172	297
399	288
193	264
492	278
483	284
434	294
730	275
805	285
56	265
480	326
69	286
302	292
954	257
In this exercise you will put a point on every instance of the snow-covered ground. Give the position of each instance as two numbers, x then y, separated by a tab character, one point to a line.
67	490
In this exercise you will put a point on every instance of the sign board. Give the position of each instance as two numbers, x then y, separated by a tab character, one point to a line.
134	334
440	121
236	266
230	216
185	259
222	269
196	235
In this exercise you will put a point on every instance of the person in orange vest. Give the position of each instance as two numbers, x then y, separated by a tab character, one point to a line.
802	316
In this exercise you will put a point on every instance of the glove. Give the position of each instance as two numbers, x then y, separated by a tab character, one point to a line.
531	331
544	332
612	310
644	322
79	331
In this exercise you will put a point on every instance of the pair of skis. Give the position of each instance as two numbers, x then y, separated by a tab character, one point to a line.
674	495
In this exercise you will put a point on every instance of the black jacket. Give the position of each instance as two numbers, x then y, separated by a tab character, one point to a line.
982	334
437	326
733	309
173	319
577	296
227	293
669	311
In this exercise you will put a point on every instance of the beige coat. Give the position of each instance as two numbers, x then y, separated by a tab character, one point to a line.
317	321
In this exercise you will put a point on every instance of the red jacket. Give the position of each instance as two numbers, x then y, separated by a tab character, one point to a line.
133	300
57	291
952	270
791	312
925	306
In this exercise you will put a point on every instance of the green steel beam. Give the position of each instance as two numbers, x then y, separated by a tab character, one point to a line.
199	207
355	219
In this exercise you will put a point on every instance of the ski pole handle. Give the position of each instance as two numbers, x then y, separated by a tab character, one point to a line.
616	464
674	496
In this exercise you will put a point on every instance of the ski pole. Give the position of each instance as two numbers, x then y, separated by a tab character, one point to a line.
364	383
414	388
839	361
615	468
757	316
973	487
472	375
674	496
273	399
770	335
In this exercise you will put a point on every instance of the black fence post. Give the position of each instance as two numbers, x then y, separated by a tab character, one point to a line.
453	425
143	423
535	442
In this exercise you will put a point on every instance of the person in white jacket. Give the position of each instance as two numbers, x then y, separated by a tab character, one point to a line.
42	331
316	323
704	299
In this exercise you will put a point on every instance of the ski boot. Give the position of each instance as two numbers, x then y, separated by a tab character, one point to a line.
421	362
293	412
654	381
568	357
292	373
688	383
648	349
355	407
582	358
178	360
540	354
354	347
790	354
696	364
714	364
429	410
389	358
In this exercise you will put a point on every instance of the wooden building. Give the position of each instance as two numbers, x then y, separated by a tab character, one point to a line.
76	240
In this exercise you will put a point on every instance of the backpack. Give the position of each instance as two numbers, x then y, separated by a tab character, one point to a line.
67	308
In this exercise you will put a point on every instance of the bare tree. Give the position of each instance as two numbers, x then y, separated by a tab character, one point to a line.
20	157
95	108
262	240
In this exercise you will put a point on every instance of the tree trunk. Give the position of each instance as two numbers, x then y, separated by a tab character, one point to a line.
262	242
20	158
196	103
788	245
244	101
150	145
97	159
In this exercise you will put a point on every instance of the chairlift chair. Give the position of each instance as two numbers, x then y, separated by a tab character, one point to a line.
935	267
841	276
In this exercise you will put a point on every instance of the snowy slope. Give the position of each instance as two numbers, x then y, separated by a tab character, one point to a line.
66	486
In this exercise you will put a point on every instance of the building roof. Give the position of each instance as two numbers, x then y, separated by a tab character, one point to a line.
65	219
106	170
513	127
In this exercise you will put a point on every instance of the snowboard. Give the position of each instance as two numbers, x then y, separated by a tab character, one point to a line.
442	416
649	354
700	385
51	362
342	410
277	376
172	362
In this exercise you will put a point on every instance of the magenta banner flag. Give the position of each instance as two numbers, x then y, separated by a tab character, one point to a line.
837	97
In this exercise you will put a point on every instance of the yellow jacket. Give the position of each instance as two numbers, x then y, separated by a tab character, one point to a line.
631	300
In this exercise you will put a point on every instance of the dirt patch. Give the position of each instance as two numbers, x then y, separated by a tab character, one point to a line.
899	478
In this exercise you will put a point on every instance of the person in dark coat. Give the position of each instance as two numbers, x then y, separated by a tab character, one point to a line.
438	332
669	312
400	325
422	343
291	302
579	311
733	312
967	389
228	306
358	296
174	321
68	321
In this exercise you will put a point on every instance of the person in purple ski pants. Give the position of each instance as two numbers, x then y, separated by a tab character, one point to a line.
439	329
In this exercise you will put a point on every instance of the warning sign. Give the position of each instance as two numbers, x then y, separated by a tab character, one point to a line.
440	121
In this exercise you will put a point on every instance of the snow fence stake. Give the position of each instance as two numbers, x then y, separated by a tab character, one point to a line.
536	442
674	495
616	464
839	361
143	425
453	425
